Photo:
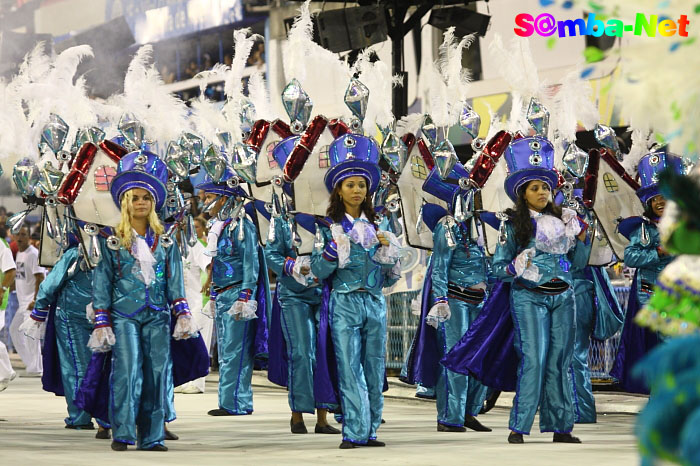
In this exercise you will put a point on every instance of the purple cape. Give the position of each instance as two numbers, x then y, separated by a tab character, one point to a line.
422	363
487	350
635	342
51	379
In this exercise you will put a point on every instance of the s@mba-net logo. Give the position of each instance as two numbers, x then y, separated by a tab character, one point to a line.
546	25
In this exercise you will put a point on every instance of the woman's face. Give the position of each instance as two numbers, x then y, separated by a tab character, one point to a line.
141	203
658	203
537	195
353	191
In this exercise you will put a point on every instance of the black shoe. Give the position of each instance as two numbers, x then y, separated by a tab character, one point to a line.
170	436
472	423
327	429
383	421
103	434
158	447
118	446
219	412
89	426
490	402
374	443
298	428
565	438
446	428
346	444
515	437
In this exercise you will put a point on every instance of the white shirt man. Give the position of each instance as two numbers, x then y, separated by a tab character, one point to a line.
28	277
7	265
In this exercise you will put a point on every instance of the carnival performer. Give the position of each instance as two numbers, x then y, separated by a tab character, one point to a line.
196	263
63	299
542	241
667	427
647	255
598	315
359	259
453	292
238	278
137	281
298	296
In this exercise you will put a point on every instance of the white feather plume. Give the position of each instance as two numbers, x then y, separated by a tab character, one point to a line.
298	45
162	113
380	82
572	103
517	67
639	148
409	124
206	117
260	97
450	80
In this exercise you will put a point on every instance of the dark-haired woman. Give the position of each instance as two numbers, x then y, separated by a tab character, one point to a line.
360	259
646	254
542	242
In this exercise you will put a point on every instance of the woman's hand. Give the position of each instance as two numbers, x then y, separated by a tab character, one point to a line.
582	236
382	239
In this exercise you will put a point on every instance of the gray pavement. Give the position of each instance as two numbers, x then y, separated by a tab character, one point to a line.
32	433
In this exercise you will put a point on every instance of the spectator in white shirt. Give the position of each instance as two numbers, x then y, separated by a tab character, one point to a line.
7	265
28	277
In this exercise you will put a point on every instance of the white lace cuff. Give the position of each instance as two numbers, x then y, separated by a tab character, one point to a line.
342	242
90	313
33	328
210	309
184	328
440	312
244	310
525	268
101	340
388	255
571	224
299	263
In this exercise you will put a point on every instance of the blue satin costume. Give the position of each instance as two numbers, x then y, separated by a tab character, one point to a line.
299	318
646	259
635	342
585	293
140	315
357	311
544	337
69	288
235	268
463	266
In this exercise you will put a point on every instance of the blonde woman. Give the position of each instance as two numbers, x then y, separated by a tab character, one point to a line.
136	284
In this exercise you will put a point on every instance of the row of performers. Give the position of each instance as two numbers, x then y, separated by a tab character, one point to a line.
325	329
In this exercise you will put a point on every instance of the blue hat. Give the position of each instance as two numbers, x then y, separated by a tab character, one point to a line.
283	149
353	155
528	159
649	167
141	169
448	189
221	188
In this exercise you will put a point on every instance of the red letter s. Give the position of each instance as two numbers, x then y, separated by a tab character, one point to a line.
527	27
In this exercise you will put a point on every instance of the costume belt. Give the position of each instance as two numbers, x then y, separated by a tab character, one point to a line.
468	295
552	287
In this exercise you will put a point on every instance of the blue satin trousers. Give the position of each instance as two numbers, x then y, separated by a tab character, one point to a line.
299	320
235	340
583	399
457	394
358	330
139	379
72	334
544	341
